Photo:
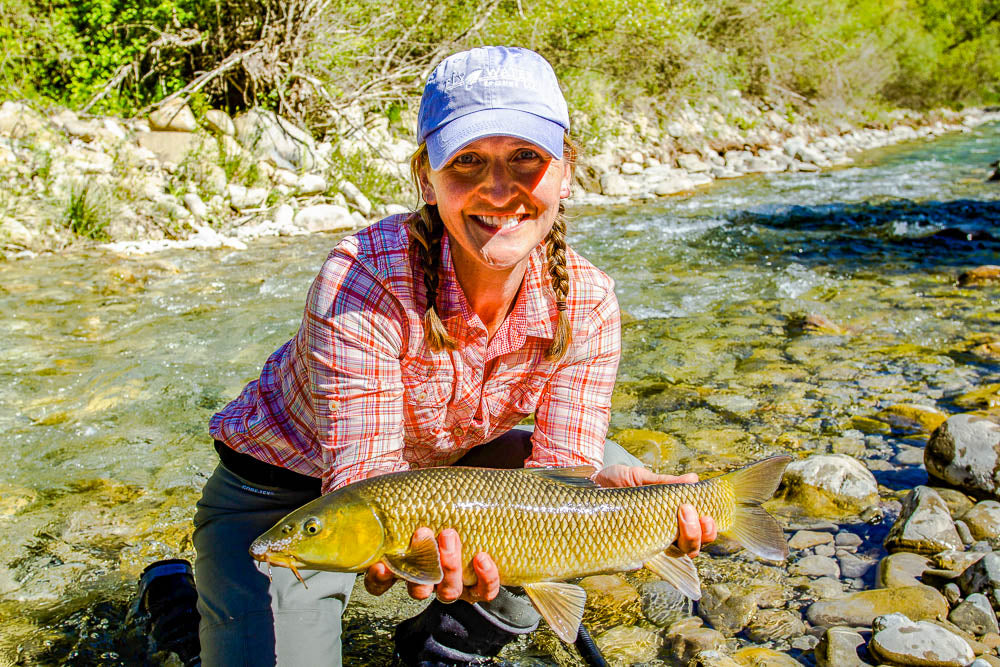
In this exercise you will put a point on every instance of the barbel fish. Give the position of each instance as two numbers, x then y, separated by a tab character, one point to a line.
541	527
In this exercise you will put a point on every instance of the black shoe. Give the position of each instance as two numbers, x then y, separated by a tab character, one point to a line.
166	606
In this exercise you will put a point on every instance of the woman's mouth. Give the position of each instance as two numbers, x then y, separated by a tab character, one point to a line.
500	222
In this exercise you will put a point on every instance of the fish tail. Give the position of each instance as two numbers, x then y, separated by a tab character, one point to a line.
751	525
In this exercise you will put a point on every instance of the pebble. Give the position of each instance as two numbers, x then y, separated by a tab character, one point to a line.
840	647
772	624
975	615
823	588
847	539
862	607
815	566
983	576
919	643
964	533
983	519
805	539
924	525
685	640
853	567
952	593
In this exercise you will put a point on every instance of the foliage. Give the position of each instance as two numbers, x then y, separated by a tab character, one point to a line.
86	212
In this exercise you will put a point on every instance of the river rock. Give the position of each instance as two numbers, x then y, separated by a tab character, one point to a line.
829	485
311	184
924	525
902	641
219	121
691	163
628	645
804	539
901	569
975	615
823	588
861	608
958	503
13	231
713	658
324	218
840	647
609	590
988	274
18	120
759	656
194	204
912	418
983	519
614	185
983	576
853	567
662	604
685	640
356	197
957	561
983	398
727	608
965	452
270	137
771	624
815	566
174	116
173	147
242	197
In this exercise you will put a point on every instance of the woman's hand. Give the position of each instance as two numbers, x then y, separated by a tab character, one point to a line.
692	530
379	578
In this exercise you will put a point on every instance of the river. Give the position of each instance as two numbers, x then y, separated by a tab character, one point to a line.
112	366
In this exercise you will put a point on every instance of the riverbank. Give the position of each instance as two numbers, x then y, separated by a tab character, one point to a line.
136	186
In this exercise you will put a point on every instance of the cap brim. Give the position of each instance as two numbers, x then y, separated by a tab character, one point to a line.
459	133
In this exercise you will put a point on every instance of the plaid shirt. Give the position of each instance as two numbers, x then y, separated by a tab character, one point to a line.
357	389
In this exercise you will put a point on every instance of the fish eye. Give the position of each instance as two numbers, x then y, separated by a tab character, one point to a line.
312	526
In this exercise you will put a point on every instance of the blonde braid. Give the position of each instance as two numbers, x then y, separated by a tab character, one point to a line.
426	230
555	251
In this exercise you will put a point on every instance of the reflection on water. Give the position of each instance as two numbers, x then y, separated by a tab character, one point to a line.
111	366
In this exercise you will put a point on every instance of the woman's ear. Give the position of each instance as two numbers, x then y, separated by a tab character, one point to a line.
567	180
426	189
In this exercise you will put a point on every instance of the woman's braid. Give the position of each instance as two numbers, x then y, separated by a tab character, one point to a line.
426	230
555	250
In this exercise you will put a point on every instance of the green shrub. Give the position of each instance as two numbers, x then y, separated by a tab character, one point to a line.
87	211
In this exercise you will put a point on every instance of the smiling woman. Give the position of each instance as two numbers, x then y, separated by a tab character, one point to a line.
426	339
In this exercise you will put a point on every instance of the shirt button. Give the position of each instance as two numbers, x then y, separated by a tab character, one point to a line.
458	431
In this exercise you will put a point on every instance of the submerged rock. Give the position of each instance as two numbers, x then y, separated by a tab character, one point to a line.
661	603
902	641
924	525
629	644
727	608
965	452
840	647
687	638
759	656
829	485
772	624
911	418
861	608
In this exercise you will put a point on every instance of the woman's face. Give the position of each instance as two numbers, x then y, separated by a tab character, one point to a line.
498	198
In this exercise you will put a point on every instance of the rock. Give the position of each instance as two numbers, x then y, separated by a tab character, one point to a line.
18	120
174	116
983	520
356	197
713	658
958	503
840	647
852	567
956	561
758	656
727	608
631	168
614	185
975	615
629	644
673	185
194	204
805	539
979	276
609	590
824	588
173	147
983	398
662	604
983	576
920	643
242	198
861	608
12	231
911	418
965	452
691	163
311	184
952	593
685	640
924	525
219	121
324	218
901	569
987	660
815	566
829	485
771	624
848	539
277	140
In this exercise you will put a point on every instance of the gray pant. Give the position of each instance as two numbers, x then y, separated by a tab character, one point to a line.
247	619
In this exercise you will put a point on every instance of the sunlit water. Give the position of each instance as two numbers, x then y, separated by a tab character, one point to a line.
111	367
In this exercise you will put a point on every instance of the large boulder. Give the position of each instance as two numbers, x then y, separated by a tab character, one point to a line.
924	525
174	116
965	452
898	640
277	140
829	485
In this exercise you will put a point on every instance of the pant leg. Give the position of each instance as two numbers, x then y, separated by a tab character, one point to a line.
511	449
245	618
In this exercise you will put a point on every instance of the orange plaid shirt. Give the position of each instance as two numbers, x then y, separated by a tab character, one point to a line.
357	389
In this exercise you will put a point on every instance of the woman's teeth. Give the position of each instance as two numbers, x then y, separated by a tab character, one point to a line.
498	221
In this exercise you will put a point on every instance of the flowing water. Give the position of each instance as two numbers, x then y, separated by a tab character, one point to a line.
111	367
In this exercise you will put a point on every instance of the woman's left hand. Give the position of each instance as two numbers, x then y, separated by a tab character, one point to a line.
692	530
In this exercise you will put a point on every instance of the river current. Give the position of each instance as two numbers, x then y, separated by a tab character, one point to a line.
112	366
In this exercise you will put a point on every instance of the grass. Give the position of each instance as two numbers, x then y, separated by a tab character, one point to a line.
87	211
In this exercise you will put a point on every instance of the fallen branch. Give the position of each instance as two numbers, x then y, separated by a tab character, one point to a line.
112	83
204	78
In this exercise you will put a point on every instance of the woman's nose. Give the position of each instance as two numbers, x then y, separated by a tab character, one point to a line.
497	186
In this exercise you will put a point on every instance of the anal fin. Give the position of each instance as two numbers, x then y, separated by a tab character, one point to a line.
421	563
561	605
677	569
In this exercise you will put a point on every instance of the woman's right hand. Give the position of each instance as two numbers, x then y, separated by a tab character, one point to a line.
379	579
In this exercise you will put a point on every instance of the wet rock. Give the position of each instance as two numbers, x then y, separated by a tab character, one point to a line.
662	604
852	567
924	525
727	608
912	418
629	644
815	566
805	539
771	624
956	561
713	658
648	445
848	539
840	647
983	398
758	656
829	485
14	498
986	660
609	590
823	588
899	640
975	615
687	638
965	452
909	456
219	121
983	576
952	593
958	503
324	218
988	274
174	116
901	569
861	608
983	520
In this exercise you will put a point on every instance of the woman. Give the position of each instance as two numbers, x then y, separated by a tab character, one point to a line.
426	338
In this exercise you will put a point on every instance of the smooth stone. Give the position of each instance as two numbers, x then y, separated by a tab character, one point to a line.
988	274
924	525
805	539
310	184
957	561
986	660
965	452
848	539
771	624
727	608
713	658
355	197
631	168
195	204
685	640
921	644
629	644
952	593
614	185
983	576
983	519
909	456
958	503
964	533
609	590
912	418
829	485
661	603
219	121
840	647
901	569
975	615
823	588
852	567
759	656
174	116
861	608
324	218
815	566
691	163
242	198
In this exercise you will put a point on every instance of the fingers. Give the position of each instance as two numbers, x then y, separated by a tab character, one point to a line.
687	478
487	579
420	591
709	531
379	579
450	548
689	530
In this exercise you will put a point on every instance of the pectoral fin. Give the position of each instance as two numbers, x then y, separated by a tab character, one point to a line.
561	605
421	564
674	567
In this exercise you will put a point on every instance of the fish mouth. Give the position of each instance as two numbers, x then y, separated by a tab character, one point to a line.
264	551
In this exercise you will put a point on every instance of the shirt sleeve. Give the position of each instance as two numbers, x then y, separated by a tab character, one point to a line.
352	335
571	419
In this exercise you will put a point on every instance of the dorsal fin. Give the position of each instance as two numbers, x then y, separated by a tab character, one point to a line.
572	475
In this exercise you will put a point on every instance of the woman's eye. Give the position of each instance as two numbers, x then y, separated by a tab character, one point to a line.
527	154
465	158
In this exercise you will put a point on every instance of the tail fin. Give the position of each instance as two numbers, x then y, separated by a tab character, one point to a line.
752	526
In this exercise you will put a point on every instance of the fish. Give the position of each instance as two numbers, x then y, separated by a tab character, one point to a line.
541	526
